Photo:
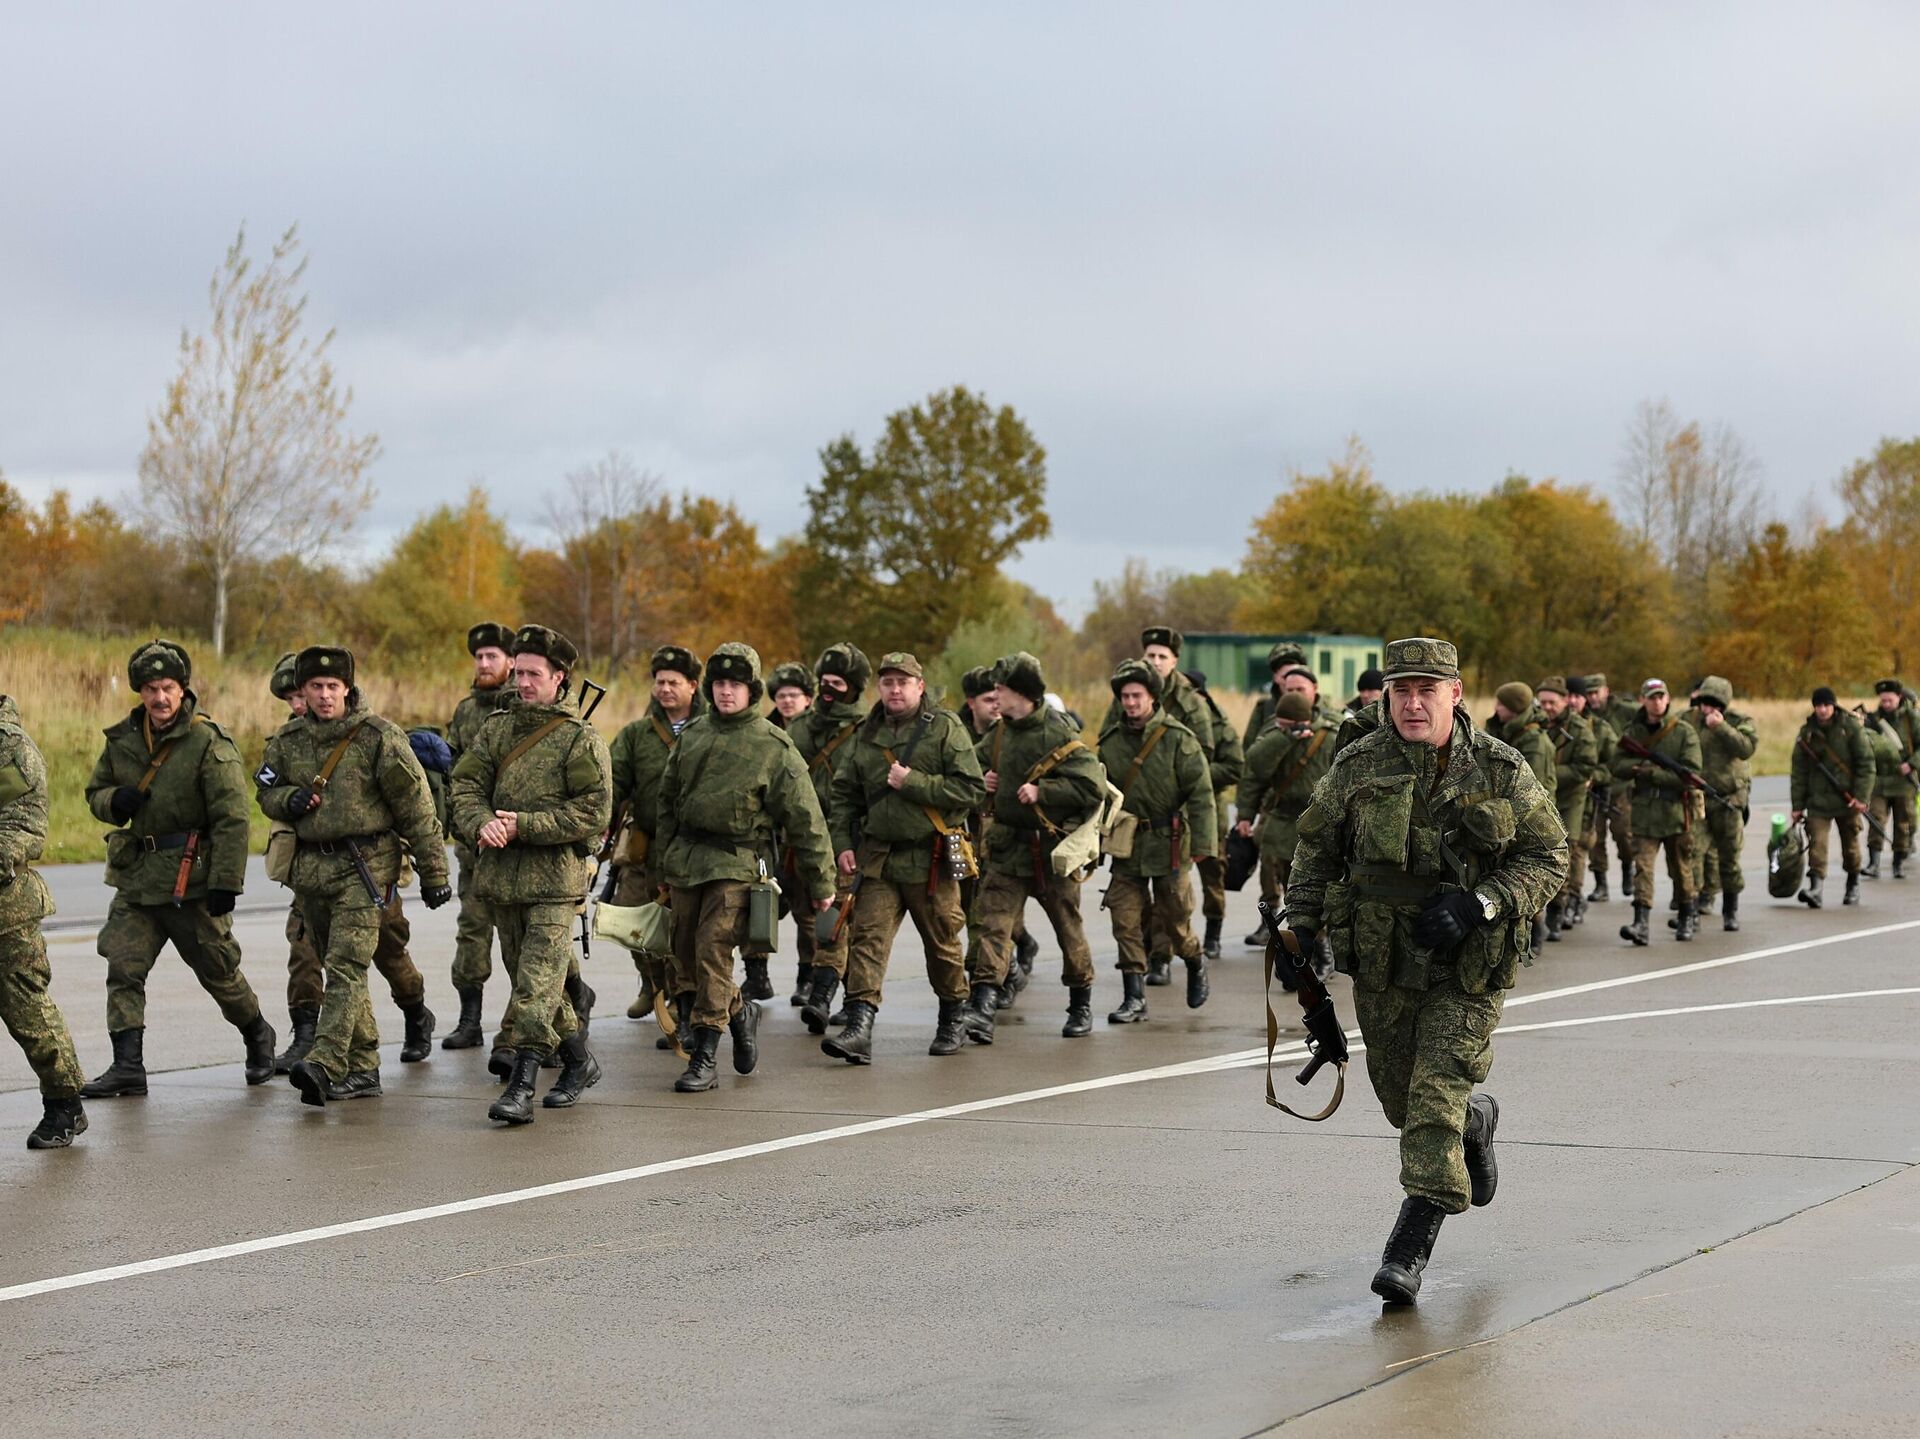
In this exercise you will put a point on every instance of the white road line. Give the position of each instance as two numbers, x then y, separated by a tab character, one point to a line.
1215	1064
1507	1029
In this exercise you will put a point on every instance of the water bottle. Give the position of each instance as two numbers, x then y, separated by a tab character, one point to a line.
1779	829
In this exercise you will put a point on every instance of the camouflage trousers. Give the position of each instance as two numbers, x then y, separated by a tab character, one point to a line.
472	930
1573	819
1617	821
1426	1050
1849	826
345	927
31	1016
536	950
1646	852
997	911
307	973
877	914
1274	874
1899	809
1213	872
1716	854
1135	902
131	941
709	923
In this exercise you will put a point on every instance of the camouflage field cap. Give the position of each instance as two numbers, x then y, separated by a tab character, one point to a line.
490	636
1162	635
1552	685
1596	682
552	646
1716	690
1294	708
1653	687
323	662
1421	658
282	682
901	663
676	658
1136	672
790	676
1286	652
159	660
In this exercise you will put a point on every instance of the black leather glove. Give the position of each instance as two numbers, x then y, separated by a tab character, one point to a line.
220	901
126	802
1446	919
300	801
435	895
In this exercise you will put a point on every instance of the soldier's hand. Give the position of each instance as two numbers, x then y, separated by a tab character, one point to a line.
501	830
992	778
302	801
1857	806
435	895
125	802
220	901
1244	829
821	906
848	864
897	775
1446	919
1798	815
1712	716
1028	794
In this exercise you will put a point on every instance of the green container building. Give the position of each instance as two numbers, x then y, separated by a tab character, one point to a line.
1239	662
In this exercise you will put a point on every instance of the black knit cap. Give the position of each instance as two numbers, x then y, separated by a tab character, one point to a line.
1162	635
847	661
1136	672
1371	680
159	660
1576	684
323	662
1824	696
552	646
1021	673
1196	678
675	657
976	681
1887	687
489	636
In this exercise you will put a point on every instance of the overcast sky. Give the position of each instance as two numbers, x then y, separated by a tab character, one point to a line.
1194	245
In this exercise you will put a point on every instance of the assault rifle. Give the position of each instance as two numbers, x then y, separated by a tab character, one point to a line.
1835	779
1690	778
1326	1040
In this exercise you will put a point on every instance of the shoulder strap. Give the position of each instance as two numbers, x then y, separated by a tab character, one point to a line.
1052	759
1664	730
159	755
660	727
826	750
1140	759
528	743
333	760
1274	796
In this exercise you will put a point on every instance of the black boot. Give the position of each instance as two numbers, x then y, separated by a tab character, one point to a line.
1160	971
305	1021
312	1082
1210	946
1538	933
703	1055
744	1028
1689	924
1626	878
1133	1008
60	1121
1637	931
1852	896
1408	1249
258	1036
802	981
1872	871
1555	917
1810	895
1197	987
819	1006
1483	1116
515	1104
854	1043
1600	894
1079	1013
1898	861
466	1034
581	996
1026	949
1017	979
1730	913
579	1072
359	1084
418	1041
759	983
1258	939
951	1032
980	1010
128	1072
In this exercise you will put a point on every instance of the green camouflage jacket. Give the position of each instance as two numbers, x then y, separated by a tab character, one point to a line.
945	778
1659	795
1576	759
561	789
1227	760
1282	770
1186	704
377	795
824	737
473	711
24	897
1725	749
1842	745
1018	839
1363	721
1606	742
1172	794
1386	830
1528	734
1904	739
1262	715
639	754
201	787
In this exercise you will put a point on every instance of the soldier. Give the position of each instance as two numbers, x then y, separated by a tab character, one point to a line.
1599	796
31	1016
1298	680
1224	762
1367	691
639	753
790	687
307	972
908	785
1517	721
1576	758
1422	859
980	713
531	797
173	779
349	784
488	644
1893	790
822	737
1658	808
1286	762
733	787
1727	741
1284	656
1616	818
1162	771
1045	782
1833	776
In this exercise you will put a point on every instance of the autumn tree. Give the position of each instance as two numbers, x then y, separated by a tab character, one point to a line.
599	516
248	458
452	568
1880	544
1310	547
708	580
1789	625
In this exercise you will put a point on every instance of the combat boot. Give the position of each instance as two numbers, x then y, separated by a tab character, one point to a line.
979	1015
417	1044
1689	924
759	985
642	1004
579	1072
950	1034
1026	949
1210	946
305	1022
1133	1006
1258	939
1811	896
128	1072
1872	871
1079	1013
466	1033
1626	878
258	1036
312	1082
1898	861
515	1104
744	1029
581	996
1408	1249
500	1063
1483	1117
1637	931
703	1054
1017	979
1600	894
819	1006
1852	895
1197	987
1160	971
60	1121
1730	913
1554	918
802	981
682	1024
854	1043
359	1084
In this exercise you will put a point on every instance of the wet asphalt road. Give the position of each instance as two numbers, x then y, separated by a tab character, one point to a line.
1706	1221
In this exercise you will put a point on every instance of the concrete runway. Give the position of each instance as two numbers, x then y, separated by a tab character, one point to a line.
1706	1221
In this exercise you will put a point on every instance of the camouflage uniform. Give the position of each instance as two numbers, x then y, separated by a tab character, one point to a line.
1225	762
1283	655
823	736
1725	749
1286	761
1842	744
473	930
1898	731
1660	813
1617	822
1600	796
1576	758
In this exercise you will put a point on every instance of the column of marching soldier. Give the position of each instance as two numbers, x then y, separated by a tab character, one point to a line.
869	812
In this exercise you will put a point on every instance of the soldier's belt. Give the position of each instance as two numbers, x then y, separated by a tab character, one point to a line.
717	841
1161	826
341	845
152	842
1391	884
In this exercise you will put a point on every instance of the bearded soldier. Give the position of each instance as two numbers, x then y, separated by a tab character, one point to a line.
1576	758
1287	760
734	788
1422	859
822	738
172	784
1161	768
1659	812
1225	763
908	786
488	643
349	784
531	797
1833	778
1727	742
1898	722
31	1016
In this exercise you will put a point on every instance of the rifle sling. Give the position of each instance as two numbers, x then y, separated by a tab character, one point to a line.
159	755
528	743
332	761
1293	775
